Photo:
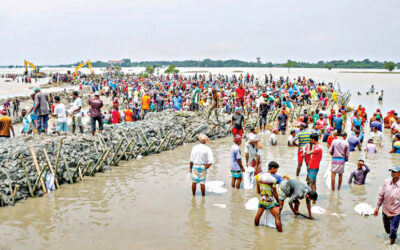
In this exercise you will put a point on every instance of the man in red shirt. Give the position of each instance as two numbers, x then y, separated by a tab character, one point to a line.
240	93
314	149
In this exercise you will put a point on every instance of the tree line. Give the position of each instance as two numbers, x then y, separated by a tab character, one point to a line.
348	64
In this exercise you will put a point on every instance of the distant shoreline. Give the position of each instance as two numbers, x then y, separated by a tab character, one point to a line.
371	72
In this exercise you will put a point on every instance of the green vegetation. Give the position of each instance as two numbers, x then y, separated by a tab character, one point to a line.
289	64
389	66
149	70
171	70
341	64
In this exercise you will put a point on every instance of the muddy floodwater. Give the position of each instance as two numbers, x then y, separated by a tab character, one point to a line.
148	204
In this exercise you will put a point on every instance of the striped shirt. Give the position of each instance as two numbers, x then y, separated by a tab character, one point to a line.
303	137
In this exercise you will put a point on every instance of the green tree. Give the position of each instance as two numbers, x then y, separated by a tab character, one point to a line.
289	64
258	60
389	66
329	66
149	70
171	69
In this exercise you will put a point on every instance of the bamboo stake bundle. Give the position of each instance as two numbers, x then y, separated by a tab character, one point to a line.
37	167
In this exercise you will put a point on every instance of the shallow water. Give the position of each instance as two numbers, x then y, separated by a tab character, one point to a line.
147	204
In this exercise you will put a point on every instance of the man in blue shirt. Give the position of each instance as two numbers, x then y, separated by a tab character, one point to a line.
354	141
377	123
338	123
177	100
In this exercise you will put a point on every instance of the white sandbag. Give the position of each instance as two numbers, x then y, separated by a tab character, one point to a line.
248	178
269	219
327	176
364	209
50	182
318	210
252	204
139	157
215	187
220	205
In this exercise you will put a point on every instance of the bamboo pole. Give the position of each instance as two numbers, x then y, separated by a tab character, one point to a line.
80	173
37	167
162	142
15	191
27	177
124	151
39	178
100	166
68	172
87	167
58	154
150	146
144	136
116	152
76	169
51	168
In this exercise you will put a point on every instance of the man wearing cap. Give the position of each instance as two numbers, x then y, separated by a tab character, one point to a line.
6	124
42	106
201	159
236	162
95	112
377	123
389	197
253	154
237	122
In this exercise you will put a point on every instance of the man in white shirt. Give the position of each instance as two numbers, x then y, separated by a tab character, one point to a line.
77	112
201	159
253	154
376	136
59	112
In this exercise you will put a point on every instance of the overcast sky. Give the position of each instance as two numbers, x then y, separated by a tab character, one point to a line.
67	31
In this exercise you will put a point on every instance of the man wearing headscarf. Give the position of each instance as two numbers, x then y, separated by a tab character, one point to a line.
201	159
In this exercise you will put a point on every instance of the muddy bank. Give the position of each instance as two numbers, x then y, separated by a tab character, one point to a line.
73	157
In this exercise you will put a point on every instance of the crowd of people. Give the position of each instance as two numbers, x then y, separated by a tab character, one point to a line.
131	98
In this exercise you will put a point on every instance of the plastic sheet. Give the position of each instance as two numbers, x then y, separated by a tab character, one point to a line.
50	182
327	176
248	178
318	210
364	209
269	219
215	187
252	204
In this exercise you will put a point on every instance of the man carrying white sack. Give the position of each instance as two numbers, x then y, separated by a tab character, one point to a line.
296	190
201	159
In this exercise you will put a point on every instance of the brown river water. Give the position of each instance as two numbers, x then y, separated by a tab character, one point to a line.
147	204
